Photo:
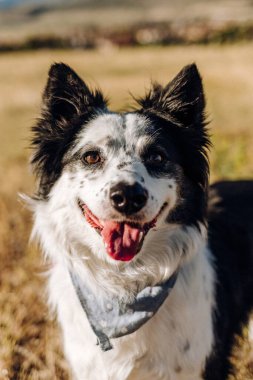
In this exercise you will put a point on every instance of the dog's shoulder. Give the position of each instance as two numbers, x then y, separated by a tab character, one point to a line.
232	201
230	219
230	232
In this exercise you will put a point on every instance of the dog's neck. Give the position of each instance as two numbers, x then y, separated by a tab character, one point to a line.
164	252
189	305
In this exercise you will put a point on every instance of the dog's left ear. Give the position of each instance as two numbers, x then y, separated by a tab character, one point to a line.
182	99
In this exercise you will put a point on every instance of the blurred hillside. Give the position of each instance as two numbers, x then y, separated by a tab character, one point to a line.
32	24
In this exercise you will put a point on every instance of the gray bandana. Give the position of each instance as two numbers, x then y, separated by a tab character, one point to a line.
112	318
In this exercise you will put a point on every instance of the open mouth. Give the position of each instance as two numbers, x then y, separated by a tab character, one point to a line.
122	240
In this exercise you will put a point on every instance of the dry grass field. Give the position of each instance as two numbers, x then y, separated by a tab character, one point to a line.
29	340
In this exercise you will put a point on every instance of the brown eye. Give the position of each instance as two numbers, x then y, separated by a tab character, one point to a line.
155	158
92	158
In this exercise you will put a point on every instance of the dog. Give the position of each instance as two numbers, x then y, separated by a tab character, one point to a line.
123	205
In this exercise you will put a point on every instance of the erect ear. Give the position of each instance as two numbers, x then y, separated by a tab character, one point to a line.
67	104
182	99
67	96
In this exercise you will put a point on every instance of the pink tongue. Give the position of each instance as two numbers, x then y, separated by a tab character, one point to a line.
121	240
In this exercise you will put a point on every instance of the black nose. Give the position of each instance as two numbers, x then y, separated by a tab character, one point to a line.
128	199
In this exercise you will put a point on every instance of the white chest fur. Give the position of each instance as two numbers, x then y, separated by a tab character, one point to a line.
171	346
175	343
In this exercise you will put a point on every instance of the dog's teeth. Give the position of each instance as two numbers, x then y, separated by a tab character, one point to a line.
141	236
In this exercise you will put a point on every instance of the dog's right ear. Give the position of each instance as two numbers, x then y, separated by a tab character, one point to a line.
68	104
67	96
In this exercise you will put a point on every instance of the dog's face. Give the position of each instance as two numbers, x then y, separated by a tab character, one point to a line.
121	174
125	175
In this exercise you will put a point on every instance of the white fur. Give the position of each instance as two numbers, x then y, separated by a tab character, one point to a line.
175	343
94	193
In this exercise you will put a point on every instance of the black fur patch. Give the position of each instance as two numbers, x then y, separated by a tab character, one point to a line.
230	218
115	144
178	111
123	164
67	105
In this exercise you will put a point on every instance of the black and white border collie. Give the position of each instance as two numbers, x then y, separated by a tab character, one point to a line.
122	203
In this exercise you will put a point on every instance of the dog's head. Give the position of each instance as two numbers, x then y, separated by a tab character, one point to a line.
119	175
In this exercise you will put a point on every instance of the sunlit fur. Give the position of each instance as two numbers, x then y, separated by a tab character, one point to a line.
176	342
